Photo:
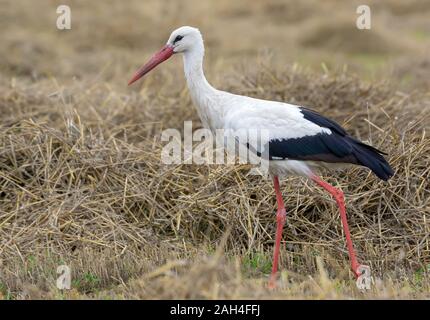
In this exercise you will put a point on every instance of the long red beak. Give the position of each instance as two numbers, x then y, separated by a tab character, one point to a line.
165	53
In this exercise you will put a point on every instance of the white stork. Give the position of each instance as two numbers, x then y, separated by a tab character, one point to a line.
300	140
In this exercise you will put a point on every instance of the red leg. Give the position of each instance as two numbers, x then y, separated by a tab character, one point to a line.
338	196
280	221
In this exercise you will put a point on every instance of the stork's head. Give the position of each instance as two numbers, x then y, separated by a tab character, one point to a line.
183	39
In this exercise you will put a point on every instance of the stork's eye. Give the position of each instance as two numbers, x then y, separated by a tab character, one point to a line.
178	38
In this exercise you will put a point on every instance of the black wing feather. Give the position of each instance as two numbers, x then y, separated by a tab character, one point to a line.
337	147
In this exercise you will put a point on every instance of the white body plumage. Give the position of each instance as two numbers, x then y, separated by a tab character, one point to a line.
223	110
299	139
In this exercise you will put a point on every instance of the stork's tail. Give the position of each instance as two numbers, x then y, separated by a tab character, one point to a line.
372	158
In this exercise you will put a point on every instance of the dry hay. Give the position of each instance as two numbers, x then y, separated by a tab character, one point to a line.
82	184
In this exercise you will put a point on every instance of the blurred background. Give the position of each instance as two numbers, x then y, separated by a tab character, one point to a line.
109	39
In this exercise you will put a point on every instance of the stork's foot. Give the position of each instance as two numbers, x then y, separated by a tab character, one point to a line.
272	282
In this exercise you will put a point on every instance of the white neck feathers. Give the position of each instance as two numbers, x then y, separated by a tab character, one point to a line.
193	68
202	93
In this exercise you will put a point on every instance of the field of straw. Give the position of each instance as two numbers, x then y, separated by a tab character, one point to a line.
82	184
